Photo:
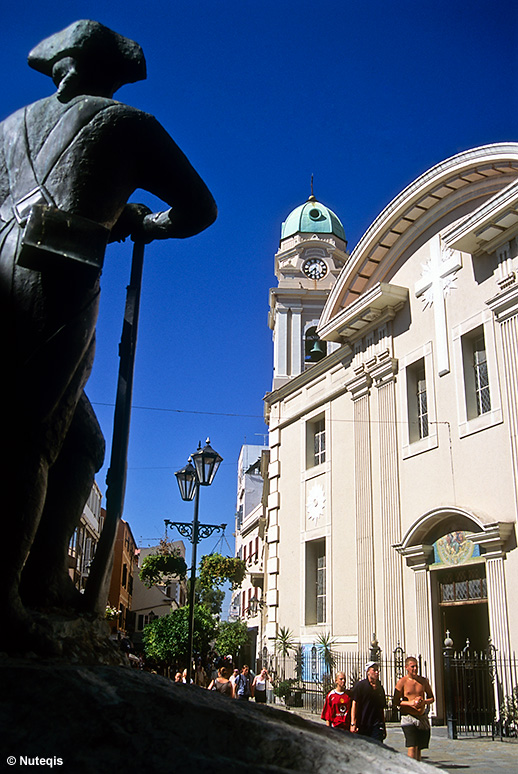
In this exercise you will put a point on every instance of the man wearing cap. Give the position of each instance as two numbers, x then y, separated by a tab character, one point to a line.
368	707
68	165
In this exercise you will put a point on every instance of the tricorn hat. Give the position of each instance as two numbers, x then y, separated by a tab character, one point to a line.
92	43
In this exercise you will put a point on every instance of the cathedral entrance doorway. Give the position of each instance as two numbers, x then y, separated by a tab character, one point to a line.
460	612
460	589
462	603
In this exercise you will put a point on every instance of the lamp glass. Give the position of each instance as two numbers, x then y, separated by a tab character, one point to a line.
187	480
207	462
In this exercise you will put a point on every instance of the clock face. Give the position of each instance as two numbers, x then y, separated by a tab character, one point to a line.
316	502
315	268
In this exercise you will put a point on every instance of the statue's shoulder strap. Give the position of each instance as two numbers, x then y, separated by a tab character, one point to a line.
79	113
28	172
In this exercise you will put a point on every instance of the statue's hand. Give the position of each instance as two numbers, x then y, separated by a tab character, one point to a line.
156	225
130	223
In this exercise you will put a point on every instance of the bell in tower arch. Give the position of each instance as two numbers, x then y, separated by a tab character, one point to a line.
314	349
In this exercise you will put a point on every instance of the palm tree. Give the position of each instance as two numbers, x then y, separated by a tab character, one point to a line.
325	643
284	645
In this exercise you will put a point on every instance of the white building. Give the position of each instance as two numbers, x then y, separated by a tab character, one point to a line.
248	601
393	467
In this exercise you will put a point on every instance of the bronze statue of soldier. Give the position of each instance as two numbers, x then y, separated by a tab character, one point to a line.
68	165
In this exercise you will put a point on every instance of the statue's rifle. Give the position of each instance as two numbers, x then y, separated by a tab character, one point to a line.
96	592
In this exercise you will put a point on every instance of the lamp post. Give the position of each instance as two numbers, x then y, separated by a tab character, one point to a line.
190	478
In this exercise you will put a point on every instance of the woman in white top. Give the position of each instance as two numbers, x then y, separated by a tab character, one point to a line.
259	686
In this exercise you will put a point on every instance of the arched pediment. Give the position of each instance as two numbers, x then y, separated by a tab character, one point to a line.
471	176
434	524
417	544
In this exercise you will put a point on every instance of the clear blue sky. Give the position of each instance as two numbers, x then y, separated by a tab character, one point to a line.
365	96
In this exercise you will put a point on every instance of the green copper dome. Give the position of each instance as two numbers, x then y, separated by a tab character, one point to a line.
312	218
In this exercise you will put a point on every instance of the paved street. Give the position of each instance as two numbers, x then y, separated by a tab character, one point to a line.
474	756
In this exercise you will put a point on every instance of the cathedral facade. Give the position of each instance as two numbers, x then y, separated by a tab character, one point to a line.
393	419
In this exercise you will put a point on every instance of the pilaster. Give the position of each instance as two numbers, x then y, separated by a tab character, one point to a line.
505	309
359	387
296	340
493	540
383	373
281	342
272	538
418	558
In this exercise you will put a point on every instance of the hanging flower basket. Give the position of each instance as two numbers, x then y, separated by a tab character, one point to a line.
160	568
111	613
215	569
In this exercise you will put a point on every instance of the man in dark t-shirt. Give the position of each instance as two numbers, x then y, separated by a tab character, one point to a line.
369	701
243	686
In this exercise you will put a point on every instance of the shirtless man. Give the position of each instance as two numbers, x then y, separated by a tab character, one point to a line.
413	694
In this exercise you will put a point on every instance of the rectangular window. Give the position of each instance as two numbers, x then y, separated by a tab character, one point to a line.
476	375
479	402
315	582
315	442
417	401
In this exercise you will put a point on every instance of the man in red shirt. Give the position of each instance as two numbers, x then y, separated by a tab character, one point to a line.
337	705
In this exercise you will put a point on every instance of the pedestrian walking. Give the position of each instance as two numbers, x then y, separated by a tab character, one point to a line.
259	686
368	705
222	684
243	687
337	705
413	695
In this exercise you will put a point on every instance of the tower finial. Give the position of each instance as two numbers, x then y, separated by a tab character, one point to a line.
312	195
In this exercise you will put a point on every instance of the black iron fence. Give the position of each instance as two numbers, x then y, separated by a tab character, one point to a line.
480	688
481	693
305	678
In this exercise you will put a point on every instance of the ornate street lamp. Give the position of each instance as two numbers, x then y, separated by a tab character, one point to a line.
187	481
207	462
190	478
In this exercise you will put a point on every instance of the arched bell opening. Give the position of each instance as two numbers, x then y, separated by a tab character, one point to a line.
314	348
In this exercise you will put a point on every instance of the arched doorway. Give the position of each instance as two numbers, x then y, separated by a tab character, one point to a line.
459	575
459	580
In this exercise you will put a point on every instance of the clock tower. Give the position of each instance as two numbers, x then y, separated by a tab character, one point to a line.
311	253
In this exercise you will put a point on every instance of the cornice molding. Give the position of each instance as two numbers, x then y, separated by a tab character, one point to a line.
505	304
461	178
379	304
492	224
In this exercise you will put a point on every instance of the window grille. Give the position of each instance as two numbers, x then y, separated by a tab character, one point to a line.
422	404
481	376
321	589
463	587
320	443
